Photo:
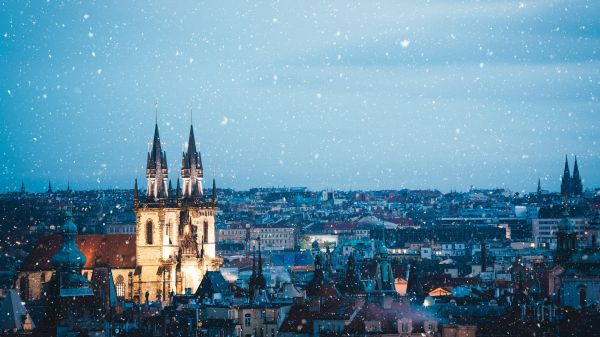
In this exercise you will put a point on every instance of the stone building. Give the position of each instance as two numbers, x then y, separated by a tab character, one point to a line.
173	245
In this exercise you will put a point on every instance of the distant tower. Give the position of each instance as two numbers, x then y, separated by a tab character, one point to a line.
257	280
566	239
191	169
314	287
539	188
576	186
49	187
565	186
23	188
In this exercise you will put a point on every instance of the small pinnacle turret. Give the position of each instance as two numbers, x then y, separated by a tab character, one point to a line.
214	192
136	192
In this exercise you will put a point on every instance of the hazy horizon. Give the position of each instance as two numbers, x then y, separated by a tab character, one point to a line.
380	95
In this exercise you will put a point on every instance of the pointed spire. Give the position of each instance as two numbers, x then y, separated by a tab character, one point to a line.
565	186
170	187
178	189
157	169
577	187
135	190
214	191
22	187
539	187
49	187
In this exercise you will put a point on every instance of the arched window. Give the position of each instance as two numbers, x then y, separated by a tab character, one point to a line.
149	232
168	232
582	296
205	231
120	285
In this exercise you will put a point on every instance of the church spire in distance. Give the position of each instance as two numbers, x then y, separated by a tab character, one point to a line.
565	185
576	186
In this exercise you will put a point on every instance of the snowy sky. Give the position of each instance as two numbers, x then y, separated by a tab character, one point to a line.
374	95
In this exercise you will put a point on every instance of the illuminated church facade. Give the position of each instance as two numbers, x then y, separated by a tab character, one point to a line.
174	243
175	228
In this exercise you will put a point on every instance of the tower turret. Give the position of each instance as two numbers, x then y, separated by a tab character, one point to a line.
136	193
566	239
69	261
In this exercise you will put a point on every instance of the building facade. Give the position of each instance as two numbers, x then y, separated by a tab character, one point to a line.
175	229
170	250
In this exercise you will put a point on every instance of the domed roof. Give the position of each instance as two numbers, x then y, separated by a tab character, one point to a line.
566	225
68	257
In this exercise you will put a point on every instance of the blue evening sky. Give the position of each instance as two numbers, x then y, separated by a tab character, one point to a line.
324	94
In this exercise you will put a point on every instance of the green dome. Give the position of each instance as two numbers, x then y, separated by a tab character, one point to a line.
68	257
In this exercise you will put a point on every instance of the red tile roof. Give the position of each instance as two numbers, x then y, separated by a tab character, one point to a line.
116	250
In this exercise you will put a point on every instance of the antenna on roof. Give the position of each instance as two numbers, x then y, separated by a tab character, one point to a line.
156	111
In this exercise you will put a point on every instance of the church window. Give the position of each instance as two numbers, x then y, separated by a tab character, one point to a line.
205	231
247	319
149	232
120	285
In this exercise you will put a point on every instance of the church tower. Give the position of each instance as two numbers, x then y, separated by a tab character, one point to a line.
576	186
565	185
157	172
175	235
191	169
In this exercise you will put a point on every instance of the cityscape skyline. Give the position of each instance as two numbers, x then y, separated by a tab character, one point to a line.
328	96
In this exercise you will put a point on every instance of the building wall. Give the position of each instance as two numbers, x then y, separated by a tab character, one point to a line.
570	291
36	280
544	230
156	261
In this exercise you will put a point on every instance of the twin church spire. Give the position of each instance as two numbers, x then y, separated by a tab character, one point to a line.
571	184
157	172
